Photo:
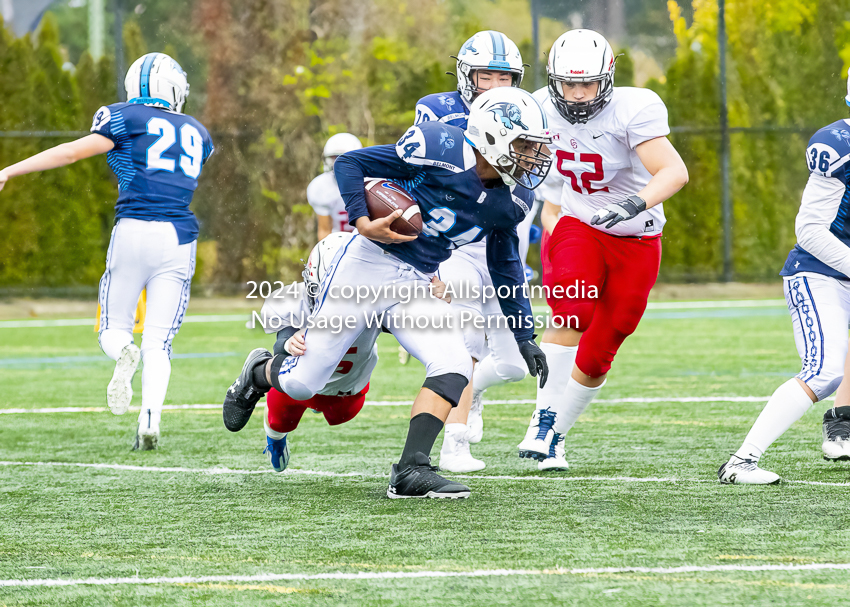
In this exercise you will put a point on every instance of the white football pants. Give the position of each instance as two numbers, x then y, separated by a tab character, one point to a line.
420	324
820	311
467	273
146	254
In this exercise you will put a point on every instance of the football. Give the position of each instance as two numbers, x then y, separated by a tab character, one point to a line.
383	197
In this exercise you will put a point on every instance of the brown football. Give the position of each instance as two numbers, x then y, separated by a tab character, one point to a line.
383	197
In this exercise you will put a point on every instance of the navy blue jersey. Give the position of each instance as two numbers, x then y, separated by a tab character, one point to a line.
828	155
448	108
157	158
436	165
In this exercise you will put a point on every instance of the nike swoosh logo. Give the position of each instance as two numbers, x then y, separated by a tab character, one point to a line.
598	136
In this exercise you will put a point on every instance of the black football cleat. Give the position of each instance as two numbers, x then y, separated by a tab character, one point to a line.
836	434
422	480
242	396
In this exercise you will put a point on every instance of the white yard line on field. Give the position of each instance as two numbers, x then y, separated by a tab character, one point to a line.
657	305
296	472
407	403
395	575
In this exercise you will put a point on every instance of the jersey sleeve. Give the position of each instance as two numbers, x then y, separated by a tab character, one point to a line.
424	113
508	277
209	148
318	198
650	122
829	152
112	127
818	210
353	167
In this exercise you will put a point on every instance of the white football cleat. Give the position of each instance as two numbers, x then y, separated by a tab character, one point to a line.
455	455
147	439
475	420
119	392
836	434
739	471
556	460
539	436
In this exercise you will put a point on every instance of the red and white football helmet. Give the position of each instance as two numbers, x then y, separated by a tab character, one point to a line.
581	56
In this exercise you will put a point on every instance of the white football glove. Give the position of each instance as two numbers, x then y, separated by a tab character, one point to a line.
622	211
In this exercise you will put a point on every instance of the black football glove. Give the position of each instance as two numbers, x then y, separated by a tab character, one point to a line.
535	359
622	211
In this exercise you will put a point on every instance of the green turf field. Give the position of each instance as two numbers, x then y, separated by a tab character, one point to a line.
641	494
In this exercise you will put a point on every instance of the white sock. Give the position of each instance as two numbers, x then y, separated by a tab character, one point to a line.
155	375
272	434
485	375
112	341
560	360
788	404
575	400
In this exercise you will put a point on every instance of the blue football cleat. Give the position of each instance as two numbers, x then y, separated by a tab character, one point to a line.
278	452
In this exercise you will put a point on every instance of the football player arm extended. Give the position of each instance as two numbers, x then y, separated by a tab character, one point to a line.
324	225
818	209
59	156
549	216
351	169
668	170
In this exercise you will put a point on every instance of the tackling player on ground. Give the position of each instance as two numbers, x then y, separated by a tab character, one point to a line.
323	192
157	154
816	280
466	186
613	168
486	61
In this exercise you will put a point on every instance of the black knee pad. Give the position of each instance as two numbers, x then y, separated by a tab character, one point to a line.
449	386
282	336
277	363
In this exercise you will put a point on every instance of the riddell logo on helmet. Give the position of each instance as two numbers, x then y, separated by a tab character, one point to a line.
576	71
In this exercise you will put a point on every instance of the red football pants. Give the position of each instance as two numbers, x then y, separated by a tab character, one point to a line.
285	413
623	270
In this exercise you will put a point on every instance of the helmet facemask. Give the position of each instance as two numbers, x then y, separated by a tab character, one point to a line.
581	111
529	161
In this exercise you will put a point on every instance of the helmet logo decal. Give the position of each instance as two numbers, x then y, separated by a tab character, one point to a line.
469	45
447	142
508	114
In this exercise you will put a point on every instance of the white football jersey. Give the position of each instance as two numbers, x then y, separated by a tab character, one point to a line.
595	164
283	309
323	195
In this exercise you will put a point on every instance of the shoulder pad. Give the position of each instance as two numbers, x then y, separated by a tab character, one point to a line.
829	149
432	144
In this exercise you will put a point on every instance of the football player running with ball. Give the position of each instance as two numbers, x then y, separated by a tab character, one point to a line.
323	192
157	154
614	166
468	185
486	61
817	291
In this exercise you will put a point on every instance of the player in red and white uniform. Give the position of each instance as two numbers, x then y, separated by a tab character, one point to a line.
613	168
285	312
323	192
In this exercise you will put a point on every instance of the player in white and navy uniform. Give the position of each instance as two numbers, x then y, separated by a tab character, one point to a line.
341	399
614	167
817	291
486	61
466	188
157	154
323	192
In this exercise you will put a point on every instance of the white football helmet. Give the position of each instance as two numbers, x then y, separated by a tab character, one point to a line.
847	98
501	121
157	79
320	259
338	145
486	51
581	56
